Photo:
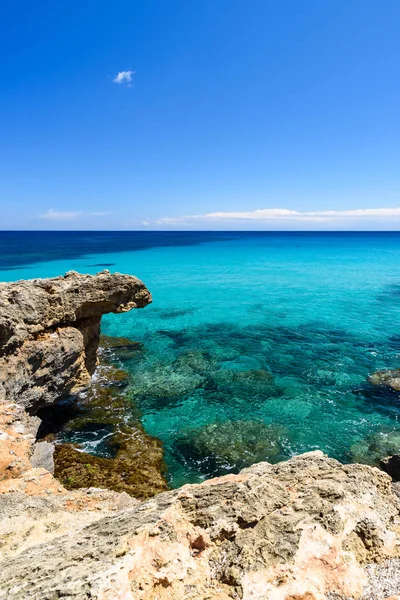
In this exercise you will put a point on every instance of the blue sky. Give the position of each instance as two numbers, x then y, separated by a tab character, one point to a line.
226	114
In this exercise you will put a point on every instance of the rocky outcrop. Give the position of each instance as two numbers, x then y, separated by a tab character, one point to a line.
390	379
49	336
302	529
49	332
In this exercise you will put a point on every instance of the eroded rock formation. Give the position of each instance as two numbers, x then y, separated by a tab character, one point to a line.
49	332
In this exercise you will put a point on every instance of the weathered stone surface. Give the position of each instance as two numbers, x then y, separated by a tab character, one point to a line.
388	378
301	529
37	509
50	328
42	456
49	332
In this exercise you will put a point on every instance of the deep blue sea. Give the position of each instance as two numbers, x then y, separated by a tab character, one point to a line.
257	345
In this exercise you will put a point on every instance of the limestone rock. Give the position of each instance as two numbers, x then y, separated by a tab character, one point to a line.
388	378
303	529
49	335
42	456
50	328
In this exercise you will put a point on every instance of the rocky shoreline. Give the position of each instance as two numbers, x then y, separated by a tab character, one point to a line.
306	529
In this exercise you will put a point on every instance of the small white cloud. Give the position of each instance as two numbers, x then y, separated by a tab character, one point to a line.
124	77
61	215
58	215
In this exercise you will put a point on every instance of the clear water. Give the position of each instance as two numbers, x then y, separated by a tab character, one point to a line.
256	346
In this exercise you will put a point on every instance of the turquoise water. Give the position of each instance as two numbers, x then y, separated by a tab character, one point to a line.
256	347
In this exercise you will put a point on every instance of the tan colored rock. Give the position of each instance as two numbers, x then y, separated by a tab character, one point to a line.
390	379
301	529
50	328
49	335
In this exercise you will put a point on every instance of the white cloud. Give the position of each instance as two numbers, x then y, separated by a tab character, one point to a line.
59	215
124	77
284	214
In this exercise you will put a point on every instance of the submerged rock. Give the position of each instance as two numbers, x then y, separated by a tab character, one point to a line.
220	447
136	469
371	449
166	381
119	347
125	458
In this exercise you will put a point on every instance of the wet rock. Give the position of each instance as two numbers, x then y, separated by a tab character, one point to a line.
120	348
390	379
371	449
137	468
103	421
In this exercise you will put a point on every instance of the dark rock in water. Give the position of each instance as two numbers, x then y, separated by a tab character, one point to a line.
102	265
219	448
109	342
121	348
371	449
388	378
136	469
391	466
125	458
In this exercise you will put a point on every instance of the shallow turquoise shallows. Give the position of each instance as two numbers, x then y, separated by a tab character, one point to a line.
256	346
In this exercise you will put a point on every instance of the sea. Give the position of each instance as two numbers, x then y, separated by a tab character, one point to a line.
257	346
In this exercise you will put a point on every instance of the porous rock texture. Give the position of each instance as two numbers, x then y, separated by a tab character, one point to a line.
49	332
300	530
386	378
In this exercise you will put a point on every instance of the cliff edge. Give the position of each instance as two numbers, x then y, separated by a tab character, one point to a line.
50	329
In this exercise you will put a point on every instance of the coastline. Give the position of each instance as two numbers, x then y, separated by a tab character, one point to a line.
308	528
